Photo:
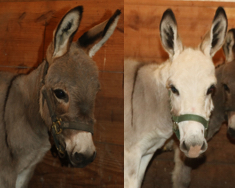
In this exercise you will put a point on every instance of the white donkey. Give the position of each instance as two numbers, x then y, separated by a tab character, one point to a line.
224	102
179	89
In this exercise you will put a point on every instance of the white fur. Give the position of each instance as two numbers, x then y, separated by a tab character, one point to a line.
231	120
73	143
62	38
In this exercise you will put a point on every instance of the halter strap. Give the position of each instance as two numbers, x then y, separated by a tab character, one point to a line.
187	117
58	125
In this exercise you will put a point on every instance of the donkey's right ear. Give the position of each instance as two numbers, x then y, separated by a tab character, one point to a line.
65	31
169	34
229	46
93	40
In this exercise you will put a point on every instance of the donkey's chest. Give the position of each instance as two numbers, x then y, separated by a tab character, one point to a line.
31	156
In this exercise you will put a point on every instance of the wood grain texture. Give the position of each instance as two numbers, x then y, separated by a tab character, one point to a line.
26	29
142	37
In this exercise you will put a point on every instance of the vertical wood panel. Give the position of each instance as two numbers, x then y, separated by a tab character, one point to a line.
142	20
26	28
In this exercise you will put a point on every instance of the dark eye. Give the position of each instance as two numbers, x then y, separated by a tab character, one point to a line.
211	90
226	88
174	90
60	94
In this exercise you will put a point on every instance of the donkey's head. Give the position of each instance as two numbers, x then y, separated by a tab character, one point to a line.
70	85
191	80
228	80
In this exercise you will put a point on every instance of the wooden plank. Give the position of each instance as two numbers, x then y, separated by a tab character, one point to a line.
142	37
26	30
181	3
105	171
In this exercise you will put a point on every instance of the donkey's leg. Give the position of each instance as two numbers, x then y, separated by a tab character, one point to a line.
143	165
181	173
24	177
132	161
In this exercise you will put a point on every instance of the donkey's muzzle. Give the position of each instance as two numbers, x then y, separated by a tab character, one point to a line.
193	150
81	160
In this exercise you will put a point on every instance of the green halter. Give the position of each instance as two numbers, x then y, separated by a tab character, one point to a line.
187	117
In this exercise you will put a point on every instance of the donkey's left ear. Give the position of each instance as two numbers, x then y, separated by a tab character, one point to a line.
229	46
93	40
65	31
214	39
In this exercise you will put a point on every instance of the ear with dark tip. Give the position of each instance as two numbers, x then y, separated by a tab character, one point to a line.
214	39
93	40
169	34
229	47
65	31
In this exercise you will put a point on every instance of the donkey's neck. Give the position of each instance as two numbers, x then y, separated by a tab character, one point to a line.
24	125
151	102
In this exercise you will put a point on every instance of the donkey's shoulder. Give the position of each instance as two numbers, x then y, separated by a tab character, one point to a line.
5	81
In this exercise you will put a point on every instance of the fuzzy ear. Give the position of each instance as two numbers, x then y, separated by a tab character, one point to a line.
169	34
214	39
65	31
229	47
93	40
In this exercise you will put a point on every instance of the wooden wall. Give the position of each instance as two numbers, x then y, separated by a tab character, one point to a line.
142	41
194	19
26	28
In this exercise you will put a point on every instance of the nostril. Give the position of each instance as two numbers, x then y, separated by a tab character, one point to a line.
184	147
79	157
203	148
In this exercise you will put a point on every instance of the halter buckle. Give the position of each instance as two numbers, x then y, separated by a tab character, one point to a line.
59	149
56	125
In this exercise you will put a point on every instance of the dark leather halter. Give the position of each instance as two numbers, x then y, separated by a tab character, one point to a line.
58	125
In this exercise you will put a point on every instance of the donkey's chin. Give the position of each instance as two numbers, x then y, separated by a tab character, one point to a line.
231	132
79	160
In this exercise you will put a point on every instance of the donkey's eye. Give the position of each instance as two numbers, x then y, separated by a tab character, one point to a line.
211	90
226	88
174	90
60	94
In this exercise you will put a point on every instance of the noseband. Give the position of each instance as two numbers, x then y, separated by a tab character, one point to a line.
58	125
186	117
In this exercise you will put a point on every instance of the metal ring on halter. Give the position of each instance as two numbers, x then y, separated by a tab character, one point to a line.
54	125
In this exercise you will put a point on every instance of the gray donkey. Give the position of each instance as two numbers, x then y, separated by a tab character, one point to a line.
57	97
224	102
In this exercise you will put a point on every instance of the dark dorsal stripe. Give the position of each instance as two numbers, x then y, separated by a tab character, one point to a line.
4	112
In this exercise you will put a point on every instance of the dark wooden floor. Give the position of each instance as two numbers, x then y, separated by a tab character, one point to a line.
218	170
